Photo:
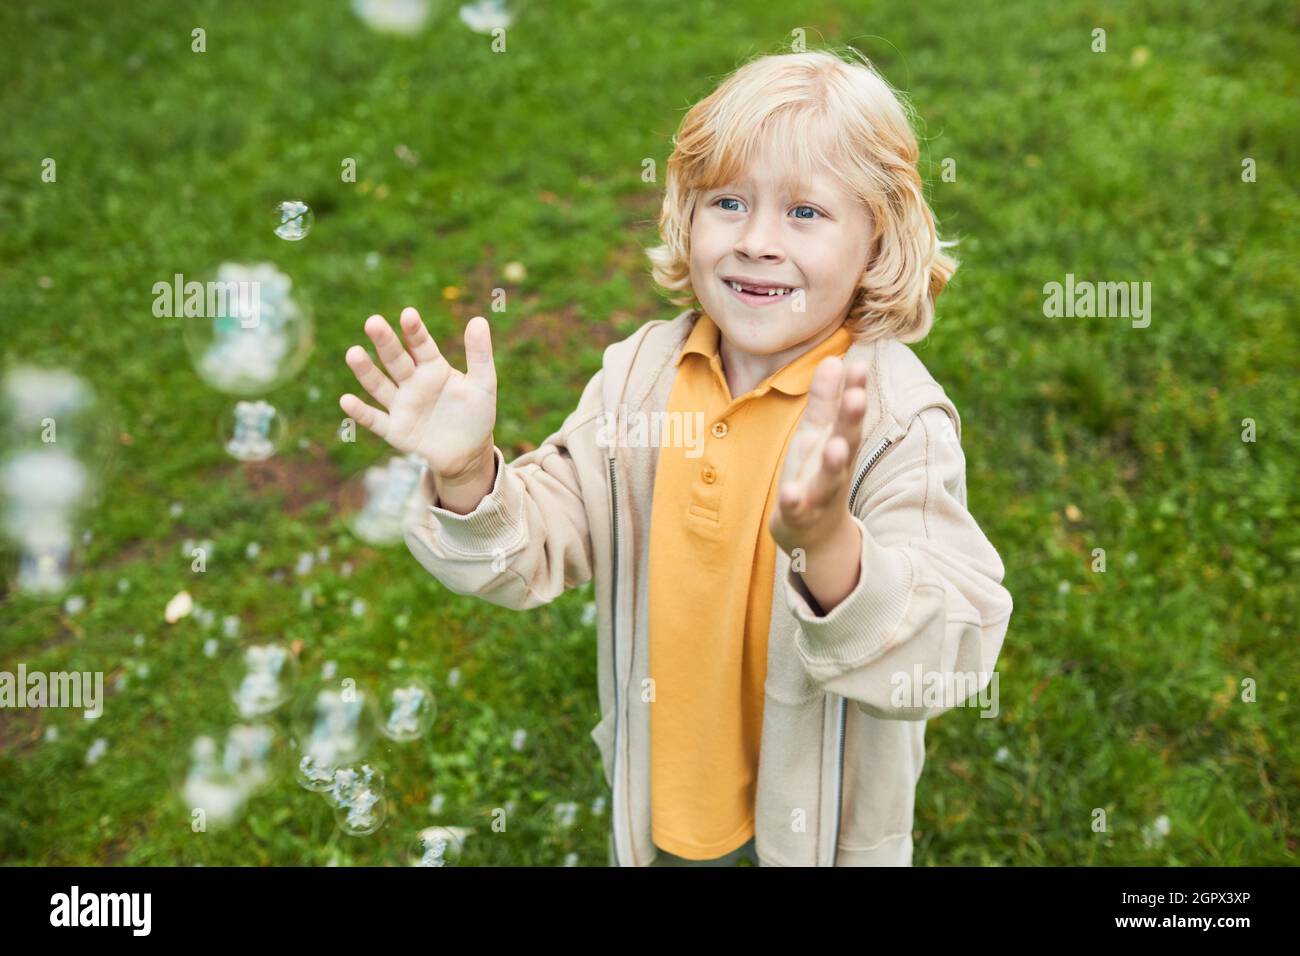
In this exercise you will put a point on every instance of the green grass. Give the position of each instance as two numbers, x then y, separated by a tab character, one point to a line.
1120	690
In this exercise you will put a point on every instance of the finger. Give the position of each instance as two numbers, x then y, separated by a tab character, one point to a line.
479	364
372	380
831	476
423	348
824	392
400	365
371	418
853	408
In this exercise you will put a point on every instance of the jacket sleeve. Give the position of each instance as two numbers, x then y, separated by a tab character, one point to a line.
528	540
929	609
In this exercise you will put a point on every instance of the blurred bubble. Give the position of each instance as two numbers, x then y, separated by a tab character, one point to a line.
252	430
409	708
486	15
224	771
293	219
376	498
392	16
57	444
260	677
334	724
437	846
245	330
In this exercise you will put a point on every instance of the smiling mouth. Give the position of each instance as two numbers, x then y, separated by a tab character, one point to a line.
758	296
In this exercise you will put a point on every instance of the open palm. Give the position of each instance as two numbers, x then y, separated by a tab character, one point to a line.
429	408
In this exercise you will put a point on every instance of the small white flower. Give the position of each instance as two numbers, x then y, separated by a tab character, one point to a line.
75	604
358	607
519	738
176	509
436	804
453	677
210	647
1002	755
253	550
96	751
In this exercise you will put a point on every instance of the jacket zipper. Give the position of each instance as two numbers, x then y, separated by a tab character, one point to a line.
613	510
844	701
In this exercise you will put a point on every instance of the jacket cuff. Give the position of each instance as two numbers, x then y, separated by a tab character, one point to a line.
861	625
491	528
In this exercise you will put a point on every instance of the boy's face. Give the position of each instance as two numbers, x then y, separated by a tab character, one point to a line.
816	242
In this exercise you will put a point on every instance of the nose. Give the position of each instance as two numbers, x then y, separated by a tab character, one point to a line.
760	236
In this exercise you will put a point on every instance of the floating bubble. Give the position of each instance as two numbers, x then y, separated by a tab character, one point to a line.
293	219
252	430
392	16
437	846
314	775
486	16
224	771
358	797
246	330
260	677
334	724
57	443
348	782
377	497
408	708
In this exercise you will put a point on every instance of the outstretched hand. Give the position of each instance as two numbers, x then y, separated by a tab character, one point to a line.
427	407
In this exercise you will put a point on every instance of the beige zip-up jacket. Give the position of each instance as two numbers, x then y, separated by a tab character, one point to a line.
847	694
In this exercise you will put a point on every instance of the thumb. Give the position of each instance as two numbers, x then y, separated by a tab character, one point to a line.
478	353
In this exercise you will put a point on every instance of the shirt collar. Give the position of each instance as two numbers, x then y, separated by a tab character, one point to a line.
793	379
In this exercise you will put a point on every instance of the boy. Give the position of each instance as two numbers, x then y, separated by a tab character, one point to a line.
765	603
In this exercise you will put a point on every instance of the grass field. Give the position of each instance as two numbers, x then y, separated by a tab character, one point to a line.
1121	690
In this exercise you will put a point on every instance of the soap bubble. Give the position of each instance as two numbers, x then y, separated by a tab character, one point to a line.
486	15
225	770
347	782
293	219
252	430
408	708
260	677
436	846
245	330
392	16
57	444
335	725
377	498
358	797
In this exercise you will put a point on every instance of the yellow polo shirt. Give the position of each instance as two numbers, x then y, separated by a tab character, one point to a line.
712	562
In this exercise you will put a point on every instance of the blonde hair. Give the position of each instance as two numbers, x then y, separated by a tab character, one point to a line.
834	114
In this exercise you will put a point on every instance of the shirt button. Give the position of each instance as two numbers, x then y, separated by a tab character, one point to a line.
708	474
719	429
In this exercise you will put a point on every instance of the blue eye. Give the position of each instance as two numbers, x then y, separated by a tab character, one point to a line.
727	199
805	207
